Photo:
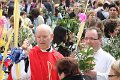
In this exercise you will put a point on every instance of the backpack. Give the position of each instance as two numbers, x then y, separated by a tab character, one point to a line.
100	15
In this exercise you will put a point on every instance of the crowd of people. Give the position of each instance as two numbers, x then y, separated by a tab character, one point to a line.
45	52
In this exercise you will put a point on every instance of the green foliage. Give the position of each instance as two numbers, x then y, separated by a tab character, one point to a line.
71	24
113	47
62	45
24	33
61	9
86	59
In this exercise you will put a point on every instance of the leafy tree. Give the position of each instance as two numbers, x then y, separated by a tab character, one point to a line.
113	47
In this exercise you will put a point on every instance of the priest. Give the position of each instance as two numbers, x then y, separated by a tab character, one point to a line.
43	57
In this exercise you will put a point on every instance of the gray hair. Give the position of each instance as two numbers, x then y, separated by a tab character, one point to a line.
45	27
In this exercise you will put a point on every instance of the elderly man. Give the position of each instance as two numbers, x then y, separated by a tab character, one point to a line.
103	60
43	57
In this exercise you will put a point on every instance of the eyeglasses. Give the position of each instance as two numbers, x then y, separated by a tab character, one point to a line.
90	38
112	75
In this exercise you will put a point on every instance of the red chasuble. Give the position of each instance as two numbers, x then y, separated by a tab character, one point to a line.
42	64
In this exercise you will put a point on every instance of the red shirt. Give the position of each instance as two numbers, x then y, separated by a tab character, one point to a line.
42	64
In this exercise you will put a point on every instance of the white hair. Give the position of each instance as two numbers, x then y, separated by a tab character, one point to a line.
45	27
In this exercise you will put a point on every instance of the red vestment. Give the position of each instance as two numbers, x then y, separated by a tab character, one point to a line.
42	64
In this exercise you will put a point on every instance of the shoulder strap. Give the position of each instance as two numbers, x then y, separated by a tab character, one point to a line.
26	64
100	15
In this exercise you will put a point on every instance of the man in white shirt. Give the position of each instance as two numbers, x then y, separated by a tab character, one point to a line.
103	60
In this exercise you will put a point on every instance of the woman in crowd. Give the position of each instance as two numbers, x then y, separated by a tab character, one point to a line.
91	18
71	73
115	71
23	62
24	33
36	17
60	40
111	28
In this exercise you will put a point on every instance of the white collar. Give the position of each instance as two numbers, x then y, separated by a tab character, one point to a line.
47	51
